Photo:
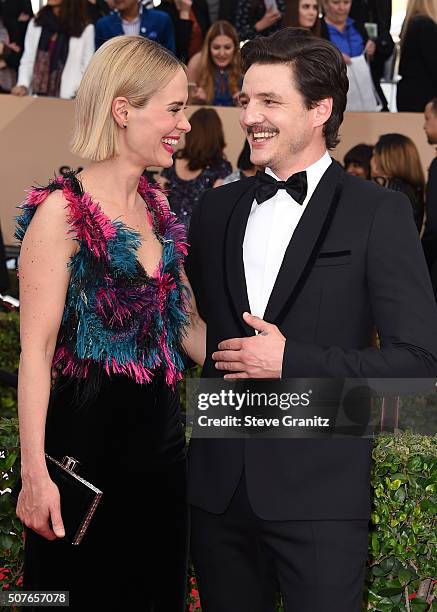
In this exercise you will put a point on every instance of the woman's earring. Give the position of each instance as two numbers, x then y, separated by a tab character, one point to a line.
125	125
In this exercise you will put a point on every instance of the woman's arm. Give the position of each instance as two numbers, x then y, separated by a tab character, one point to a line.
194	342
44	277
25	71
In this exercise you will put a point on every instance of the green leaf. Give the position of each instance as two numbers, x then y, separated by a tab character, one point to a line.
418	605
6	541
375	544
405	576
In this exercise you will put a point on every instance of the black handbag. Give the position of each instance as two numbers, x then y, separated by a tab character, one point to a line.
79	498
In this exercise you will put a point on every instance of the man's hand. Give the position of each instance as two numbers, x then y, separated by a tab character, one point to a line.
258	356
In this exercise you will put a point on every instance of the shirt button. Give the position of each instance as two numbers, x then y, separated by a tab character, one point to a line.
143	30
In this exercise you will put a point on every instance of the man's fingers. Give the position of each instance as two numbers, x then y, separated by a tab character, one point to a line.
230	366
226	355
259	324
233	344
237	375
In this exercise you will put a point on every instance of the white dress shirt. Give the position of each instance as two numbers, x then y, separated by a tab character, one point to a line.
269	229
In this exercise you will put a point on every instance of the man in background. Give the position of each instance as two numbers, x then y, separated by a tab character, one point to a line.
132	18
429	240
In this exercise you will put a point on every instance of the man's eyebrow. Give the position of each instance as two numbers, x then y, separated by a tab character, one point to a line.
269	94
263	94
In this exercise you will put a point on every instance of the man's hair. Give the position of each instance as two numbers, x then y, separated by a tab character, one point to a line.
318	69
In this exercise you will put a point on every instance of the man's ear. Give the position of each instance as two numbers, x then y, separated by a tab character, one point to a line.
120	111
323	111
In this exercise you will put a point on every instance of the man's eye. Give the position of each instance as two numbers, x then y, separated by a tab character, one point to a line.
268	101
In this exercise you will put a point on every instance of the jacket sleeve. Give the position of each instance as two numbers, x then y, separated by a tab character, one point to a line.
166	37
88	47
429	240
101	34
25	71
402	303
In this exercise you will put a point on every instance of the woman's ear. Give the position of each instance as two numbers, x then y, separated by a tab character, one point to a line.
120	111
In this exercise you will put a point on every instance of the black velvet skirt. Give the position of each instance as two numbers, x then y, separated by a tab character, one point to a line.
130	443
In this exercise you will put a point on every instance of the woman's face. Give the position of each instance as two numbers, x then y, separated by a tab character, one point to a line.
355	169
222	50
337	11
308	13
153	132
375	169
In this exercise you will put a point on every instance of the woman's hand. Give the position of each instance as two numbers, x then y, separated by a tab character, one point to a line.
271	16
199	96
184	8
19	90
38	505
370	48
347	59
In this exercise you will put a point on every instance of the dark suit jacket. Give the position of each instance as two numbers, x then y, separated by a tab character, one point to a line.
155	25
183	27
417	66
429	240
354	261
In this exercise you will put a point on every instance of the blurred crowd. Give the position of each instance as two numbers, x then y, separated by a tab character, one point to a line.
47	53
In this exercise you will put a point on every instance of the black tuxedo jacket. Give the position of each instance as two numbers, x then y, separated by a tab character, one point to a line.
354	262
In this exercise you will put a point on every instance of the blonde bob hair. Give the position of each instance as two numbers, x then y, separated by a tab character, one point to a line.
425	8
132	67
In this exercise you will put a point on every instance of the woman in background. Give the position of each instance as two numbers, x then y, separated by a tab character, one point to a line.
245	167
214	74
396	165
190	21
198	165
253	18
418	63
348	35
303	14
58	47
357	161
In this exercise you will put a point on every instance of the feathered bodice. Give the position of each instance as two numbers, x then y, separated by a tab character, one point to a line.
117	319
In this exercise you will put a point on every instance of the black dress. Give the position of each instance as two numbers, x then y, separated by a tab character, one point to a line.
114	407
418	66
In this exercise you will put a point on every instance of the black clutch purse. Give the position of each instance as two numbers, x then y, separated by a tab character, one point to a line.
79	498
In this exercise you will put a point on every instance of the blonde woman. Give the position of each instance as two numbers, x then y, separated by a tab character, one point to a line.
214	73
104	303
418	66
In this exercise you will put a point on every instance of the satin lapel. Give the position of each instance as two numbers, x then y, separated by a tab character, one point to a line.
305	244
234	265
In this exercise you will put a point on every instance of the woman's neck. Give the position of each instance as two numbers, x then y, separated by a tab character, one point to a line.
340	26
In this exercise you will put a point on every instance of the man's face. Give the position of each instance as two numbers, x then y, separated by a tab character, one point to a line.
273	116
430	125
125	5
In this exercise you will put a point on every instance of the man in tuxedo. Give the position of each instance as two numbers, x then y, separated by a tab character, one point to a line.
429	240
319	258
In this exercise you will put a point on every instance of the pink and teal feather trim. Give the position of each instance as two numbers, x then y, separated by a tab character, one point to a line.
117	319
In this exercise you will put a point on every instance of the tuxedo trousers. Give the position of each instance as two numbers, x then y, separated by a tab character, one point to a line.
241	561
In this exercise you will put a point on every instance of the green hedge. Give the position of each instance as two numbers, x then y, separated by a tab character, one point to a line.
402	565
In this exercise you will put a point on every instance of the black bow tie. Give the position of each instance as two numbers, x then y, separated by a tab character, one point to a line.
296	186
